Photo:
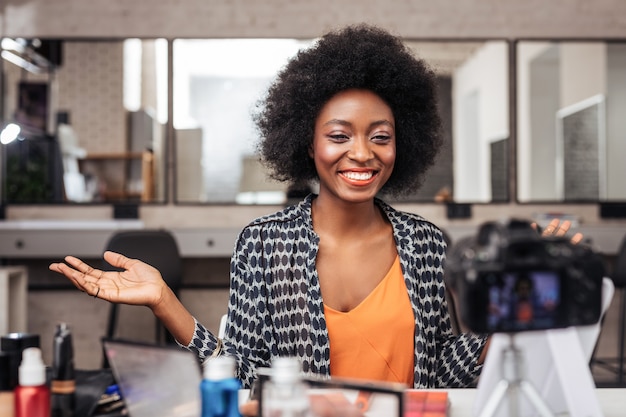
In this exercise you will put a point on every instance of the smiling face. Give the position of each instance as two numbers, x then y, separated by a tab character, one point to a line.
354	146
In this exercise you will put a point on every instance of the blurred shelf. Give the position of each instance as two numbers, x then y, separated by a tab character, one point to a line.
122	192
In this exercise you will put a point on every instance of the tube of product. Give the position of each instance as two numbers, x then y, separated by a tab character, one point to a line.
63	386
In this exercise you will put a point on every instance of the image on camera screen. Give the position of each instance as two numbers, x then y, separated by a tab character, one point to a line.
526	300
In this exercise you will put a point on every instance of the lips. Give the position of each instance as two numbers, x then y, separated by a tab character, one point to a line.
359	177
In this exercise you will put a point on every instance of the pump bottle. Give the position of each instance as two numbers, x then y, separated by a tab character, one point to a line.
32	395
220	388
63	385
285	394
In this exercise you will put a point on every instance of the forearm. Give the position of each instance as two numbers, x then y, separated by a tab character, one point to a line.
175	317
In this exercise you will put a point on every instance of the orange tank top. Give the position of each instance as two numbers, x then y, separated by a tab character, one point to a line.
375	339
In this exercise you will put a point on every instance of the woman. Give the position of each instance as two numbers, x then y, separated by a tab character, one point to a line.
344	282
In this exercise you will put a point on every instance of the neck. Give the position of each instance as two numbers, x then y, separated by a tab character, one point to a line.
343	217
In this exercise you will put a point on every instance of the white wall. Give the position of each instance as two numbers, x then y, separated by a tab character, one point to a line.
305	18
485	77
583	71
525	55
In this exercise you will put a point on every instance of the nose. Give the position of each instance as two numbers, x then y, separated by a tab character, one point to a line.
361	149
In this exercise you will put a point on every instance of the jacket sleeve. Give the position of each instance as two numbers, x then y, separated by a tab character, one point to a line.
457	355
244	339
458	360
452	359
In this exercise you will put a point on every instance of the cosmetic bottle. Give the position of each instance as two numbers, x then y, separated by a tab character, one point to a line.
7	408
220	388
285	394
32	395
14	344
63	386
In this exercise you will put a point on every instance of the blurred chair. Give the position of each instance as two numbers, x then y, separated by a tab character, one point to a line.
618	275
154	247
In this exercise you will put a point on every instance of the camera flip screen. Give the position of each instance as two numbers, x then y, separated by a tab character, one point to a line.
523	300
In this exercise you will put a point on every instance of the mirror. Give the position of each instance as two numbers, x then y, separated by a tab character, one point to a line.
216	85
571	96
218	81
93	120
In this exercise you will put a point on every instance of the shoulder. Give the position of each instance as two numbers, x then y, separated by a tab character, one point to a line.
405	223
292	218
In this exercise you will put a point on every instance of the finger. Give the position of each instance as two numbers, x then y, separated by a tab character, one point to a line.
117	259
66	270
577	238
79	279
82	282
551	227
97	291
249	409
80	266
563	228
55	268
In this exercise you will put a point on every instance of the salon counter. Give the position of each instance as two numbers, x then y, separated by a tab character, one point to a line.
87	239
612	402
461	403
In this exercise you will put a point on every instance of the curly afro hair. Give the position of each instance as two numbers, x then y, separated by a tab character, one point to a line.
363	57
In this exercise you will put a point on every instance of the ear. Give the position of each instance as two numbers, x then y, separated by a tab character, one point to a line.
311	153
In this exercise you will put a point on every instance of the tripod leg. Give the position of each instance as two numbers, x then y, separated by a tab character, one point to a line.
535	399
491	406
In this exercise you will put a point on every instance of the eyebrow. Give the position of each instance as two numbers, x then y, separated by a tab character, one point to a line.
384	122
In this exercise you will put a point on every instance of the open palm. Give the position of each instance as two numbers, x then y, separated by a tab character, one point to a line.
138	283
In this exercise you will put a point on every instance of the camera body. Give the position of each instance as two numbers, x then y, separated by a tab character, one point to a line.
510	279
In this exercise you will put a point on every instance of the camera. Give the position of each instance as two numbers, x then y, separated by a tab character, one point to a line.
510	279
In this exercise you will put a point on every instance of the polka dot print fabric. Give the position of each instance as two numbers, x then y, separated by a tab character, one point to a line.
276	309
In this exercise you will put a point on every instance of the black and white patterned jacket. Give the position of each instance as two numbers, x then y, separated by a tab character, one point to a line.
276	309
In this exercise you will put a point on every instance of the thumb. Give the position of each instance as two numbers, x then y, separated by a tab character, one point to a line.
116	259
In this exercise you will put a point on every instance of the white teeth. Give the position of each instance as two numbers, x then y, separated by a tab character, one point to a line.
359	176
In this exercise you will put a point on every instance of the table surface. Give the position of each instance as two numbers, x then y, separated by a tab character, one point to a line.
612	401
